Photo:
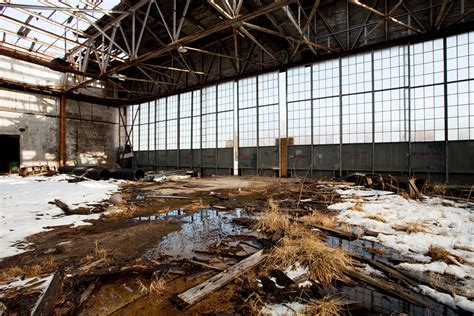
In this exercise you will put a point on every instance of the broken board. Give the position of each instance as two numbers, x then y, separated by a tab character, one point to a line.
198	292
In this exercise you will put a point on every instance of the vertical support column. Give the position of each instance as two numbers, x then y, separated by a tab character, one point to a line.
283	157
166	133
62	130
216	152
409	107
192	130
283	110
178	129
373	112
148	130
340	117
236	128
312	121
445	86
257	127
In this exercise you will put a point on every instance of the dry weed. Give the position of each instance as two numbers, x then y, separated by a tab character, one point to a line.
411	227
101	253
123	213
47	265
197	205
464	247
325	264
440	254
439	188
272	220
11	273
357	207
158	286
376	251
254	304
377	217
320	219
326	306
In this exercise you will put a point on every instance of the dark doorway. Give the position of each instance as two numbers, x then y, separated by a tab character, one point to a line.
9	152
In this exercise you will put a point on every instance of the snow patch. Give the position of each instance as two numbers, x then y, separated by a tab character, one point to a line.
24	208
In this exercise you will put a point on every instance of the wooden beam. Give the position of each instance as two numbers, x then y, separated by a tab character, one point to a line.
198	292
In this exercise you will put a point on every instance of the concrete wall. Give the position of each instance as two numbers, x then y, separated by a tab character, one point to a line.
91	129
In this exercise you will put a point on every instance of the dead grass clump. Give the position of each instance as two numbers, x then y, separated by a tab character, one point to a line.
254	304
325	264
377	217
376	251
158	286
11	273
320	219
272	220
326	306
101	253
29	271
123	213
197	205
440	254
357	207
439	188
411	227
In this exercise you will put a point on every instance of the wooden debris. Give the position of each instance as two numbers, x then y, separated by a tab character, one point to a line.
47	300
385	286
204	265
198	292
87	292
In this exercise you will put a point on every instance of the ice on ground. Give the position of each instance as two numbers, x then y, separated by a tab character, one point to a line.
390	215
460	272
411	227
24	208
284	309
455	301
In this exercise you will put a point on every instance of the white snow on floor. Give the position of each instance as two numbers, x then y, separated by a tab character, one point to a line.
444	223
284	309
24	208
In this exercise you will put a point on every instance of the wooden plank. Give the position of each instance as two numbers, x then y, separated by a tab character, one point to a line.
198	292
386	287
47	301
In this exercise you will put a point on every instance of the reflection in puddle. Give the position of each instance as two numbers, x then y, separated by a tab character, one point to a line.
362	247
376	302
199	231
171	214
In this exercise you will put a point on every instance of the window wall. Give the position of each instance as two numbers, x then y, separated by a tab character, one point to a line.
422	92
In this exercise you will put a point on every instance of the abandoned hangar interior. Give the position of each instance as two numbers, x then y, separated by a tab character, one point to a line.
301	89
349	86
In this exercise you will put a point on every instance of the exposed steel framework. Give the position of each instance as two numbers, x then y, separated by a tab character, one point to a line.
147	48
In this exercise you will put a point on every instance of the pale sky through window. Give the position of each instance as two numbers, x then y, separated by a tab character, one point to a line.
49	33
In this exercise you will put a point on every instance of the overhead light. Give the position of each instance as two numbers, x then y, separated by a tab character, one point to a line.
182	49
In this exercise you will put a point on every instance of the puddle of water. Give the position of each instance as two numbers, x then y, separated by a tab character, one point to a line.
376	302
174	214
361	246
200	231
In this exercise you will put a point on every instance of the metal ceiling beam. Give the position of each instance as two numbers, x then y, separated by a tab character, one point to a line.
387	17
56	8
28	58
289	38
194	37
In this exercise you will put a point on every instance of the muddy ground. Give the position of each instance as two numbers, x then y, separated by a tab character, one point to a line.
124	237
164	238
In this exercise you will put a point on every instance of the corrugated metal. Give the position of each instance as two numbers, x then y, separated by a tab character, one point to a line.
391	157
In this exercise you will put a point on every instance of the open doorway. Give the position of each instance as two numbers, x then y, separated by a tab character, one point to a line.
9	152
